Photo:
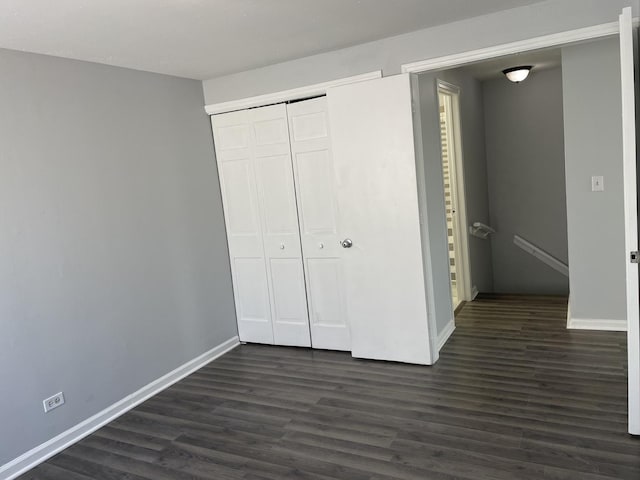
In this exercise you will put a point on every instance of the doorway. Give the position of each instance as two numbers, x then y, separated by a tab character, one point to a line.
609	57
453	181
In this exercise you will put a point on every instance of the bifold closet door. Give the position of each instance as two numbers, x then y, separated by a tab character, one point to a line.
234	155
256	174
318	215
281	234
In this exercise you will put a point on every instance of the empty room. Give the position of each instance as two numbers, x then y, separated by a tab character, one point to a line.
337	239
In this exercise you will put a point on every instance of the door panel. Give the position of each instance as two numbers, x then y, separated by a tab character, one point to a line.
317	212
233	137
291	321
234	155
631	217
237	178
373	151
269	131
252	300
308	126
326	302
281	233
315	177
275	184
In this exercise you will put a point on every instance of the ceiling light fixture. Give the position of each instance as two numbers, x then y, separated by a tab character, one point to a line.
517	74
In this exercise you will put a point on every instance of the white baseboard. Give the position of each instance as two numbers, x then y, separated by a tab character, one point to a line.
474	293
597	324
42	452
446	333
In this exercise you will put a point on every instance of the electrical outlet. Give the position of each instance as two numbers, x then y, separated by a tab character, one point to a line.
53	402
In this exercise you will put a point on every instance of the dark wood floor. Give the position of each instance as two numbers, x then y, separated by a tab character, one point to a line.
514	396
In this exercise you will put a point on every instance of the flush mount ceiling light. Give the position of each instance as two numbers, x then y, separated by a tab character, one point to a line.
517	74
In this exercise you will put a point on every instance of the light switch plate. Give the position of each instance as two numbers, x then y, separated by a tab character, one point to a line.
52	402
597	183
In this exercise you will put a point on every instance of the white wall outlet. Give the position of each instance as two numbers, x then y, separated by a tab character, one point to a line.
53	402
597	183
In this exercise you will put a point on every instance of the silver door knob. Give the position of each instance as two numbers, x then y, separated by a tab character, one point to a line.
346	243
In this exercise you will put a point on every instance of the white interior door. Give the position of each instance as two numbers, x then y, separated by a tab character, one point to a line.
322	253
234	154
281	234
631	218
452	204
376	188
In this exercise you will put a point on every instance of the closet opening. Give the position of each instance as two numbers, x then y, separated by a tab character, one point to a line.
313	193
276	175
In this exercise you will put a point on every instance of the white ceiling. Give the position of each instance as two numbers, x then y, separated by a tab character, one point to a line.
207	38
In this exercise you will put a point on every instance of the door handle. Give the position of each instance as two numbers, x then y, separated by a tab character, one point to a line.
346	243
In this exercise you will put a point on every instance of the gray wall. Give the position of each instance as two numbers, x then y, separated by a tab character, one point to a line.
471	110
389	54
114	266
593	146
525	163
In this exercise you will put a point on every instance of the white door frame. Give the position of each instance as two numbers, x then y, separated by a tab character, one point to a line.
631	214
463	275
546	41
535	43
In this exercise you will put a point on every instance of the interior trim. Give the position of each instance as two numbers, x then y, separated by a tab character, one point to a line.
474	293
46	450
446	333
545	41
597	324
286	95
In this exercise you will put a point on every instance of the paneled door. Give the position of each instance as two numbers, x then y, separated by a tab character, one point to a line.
234	155
374	155
318	215
256	178
279	216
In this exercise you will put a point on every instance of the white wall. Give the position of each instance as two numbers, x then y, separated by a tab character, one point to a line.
389	54
114	266
525	163
593	146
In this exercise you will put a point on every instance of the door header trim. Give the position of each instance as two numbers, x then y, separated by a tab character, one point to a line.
535	43
286	95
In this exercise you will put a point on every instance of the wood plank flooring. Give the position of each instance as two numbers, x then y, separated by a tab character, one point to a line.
514	396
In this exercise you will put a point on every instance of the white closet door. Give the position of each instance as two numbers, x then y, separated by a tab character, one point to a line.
374	158
322	253
234	154
281	234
